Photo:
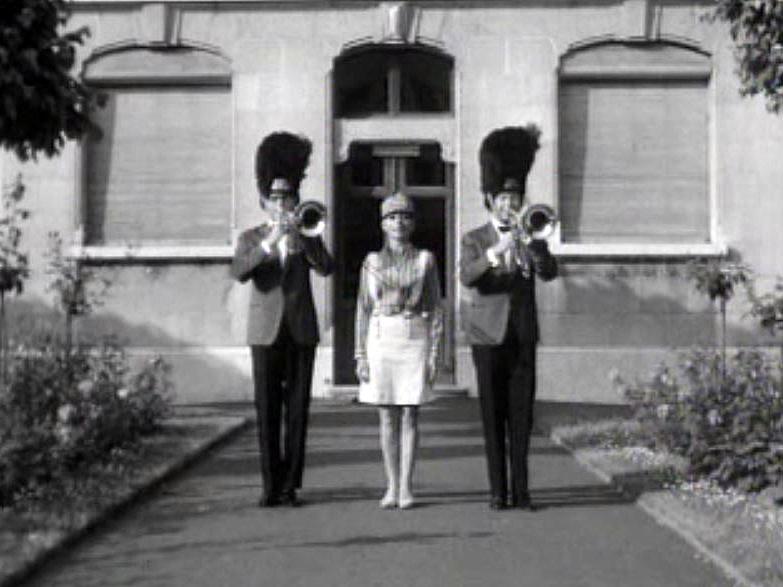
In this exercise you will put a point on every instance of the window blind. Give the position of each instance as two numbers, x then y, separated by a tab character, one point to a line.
161	174
634	161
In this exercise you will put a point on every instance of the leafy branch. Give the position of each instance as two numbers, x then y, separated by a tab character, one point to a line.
756	27
78	289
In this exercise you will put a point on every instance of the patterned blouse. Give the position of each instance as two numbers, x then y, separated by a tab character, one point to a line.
404	282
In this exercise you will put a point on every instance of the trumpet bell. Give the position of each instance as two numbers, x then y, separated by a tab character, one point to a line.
539	221
310	218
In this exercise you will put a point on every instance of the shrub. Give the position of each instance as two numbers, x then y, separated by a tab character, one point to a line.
730	429
63	408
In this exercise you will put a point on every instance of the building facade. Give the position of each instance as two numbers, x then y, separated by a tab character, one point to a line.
648	153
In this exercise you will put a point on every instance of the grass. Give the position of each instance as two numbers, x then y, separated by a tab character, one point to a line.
744	530
45	518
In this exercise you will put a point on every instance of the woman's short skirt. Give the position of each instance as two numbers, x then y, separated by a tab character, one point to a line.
397	350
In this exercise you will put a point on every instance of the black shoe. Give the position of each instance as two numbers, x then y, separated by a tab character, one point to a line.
269	501
522	503
497	503
290	499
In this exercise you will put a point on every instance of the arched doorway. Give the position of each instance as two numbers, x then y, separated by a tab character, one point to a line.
383	89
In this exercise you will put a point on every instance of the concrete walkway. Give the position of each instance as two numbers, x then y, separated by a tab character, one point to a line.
203	528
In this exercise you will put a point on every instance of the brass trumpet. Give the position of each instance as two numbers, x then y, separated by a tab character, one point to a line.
537	221
308	218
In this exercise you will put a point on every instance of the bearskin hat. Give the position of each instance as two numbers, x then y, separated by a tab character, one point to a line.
507	154
282	155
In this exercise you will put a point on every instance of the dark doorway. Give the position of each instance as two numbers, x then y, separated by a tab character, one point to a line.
373	171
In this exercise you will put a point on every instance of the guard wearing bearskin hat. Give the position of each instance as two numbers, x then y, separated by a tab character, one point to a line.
498	266
277	258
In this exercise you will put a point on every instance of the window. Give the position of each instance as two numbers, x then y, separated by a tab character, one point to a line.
392	80
161	173
634	145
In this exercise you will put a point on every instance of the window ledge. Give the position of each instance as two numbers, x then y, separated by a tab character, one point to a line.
639	250
152	252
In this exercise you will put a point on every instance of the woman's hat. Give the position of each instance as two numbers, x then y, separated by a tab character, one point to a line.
396	203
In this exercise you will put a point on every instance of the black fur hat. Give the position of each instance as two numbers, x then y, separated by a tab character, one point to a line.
282	155
507	154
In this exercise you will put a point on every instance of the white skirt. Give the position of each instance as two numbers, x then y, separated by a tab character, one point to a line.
397	349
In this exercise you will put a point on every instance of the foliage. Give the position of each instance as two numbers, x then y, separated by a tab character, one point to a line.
768	308
756	27
78	289
728	426
64	408
716	278
13	263
42	104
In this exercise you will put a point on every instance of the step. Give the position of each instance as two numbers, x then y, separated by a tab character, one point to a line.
349	392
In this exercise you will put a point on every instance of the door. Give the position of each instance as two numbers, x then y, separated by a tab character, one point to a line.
373	171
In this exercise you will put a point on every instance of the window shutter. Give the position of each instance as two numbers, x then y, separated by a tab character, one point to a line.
162	171
634	163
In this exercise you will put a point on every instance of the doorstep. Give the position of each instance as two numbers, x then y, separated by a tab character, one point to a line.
350	392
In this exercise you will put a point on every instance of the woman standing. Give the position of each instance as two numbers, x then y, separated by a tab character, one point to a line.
399	320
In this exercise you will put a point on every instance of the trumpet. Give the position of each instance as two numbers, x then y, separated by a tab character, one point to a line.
537	221
308	218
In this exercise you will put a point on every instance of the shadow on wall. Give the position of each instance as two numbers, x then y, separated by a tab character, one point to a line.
200	374
638	304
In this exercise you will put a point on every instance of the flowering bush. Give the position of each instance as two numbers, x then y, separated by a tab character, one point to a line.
729	427
64	408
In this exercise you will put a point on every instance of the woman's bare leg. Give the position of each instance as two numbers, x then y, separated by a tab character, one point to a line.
390	448
409	440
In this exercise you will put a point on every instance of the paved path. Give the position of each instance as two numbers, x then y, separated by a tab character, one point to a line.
203	529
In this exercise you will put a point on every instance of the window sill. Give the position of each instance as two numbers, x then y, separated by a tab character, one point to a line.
152	252
639	250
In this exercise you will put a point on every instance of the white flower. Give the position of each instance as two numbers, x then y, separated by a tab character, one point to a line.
63	432
713	417
123	393
663	411
85	386
64	413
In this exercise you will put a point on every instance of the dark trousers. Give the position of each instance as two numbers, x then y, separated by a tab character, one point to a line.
282	374
506	376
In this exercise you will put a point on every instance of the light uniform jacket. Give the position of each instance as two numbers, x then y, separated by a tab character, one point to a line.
281	289
497	297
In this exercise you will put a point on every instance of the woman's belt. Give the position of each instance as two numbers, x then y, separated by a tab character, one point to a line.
395	310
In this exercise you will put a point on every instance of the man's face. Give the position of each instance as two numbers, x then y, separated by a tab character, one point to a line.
505	205
279	201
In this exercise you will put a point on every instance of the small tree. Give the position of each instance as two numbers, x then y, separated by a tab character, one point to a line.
13	263
756	28
78	289
768	310
716	279
42	103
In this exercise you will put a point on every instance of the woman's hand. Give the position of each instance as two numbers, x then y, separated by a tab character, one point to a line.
363	370
432	371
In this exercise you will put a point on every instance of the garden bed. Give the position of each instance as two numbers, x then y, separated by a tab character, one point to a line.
741	532
47	519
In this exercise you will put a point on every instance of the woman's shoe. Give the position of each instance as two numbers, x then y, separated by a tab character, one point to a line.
406	502
389	500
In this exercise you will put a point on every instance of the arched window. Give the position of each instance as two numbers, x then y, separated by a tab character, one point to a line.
634	144
161	174
386	79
